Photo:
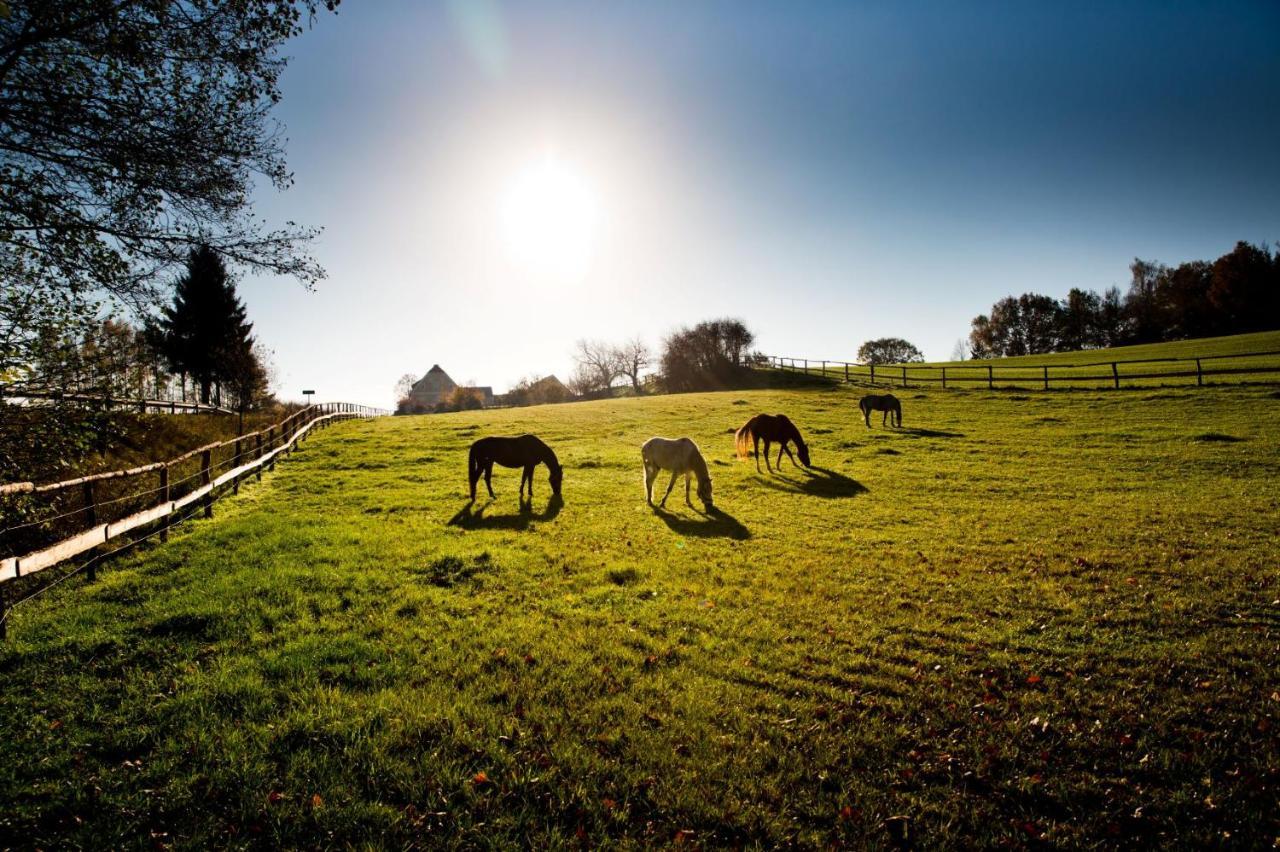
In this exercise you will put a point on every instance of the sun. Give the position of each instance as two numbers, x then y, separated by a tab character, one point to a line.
549	218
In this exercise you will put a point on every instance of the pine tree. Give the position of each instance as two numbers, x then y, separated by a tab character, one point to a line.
205	333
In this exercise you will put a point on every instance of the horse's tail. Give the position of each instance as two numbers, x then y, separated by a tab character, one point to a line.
743	438
473	465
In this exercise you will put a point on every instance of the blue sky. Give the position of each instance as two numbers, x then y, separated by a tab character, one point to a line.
827	172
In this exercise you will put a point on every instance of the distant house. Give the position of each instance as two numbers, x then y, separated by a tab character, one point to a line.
543	390
548	389
435	387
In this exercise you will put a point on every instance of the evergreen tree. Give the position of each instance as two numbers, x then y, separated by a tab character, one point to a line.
205	333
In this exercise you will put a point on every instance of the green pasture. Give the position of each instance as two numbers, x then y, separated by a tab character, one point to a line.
1240	358
1025	618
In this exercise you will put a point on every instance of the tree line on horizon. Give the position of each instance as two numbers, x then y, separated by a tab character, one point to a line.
710	355
1235	294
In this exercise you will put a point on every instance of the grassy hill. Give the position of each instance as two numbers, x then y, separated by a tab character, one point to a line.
1204	347
1149	365
1021	618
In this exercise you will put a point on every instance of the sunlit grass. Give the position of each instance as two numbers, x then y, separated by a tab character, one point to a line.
1022	616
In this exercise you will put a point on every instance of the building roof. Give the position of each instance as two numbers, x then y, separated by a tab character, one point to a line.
435	380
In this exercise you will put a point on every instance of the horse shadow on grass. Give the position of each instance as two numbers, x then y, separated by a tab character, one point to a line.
927	433
473	517
713	524
817	482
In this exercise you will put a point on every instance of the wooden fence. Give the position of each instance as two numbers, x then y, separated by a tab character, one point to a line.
1096	374
54	522
142	406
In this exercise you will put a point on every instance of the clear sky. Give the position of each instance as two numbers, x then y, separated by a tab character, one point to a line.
497	180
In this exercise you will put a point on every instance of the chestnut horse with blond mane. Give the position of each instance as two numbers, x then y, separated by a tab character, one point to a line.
770	428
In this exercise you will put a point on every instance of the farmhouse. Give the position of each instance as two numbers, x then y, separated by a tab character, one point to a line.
436	386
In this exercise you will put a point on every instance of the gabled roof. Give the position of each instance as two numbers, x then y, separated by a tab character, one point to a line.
436	379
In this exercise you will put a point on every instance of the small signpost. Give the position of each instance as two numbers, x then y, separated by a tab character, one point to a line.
308	394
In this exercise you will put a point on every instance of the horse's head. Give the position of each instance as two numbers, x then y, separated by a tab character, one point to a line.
803	452
556	477
704	493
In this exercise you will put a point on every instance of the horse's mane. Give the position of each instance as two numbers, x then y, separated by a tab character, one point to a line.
699	465
793	432
552	462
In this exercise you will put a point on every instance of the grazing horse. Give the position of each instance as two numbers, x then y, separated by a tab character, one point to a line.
888	403
678	455
770	428
526	451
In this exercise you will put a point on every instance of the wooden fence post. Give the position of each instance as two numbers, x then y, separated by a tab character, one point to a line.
271	439
1115	373
91	505
873	375
164	498
1199	374
235	484
205	460
1046	377
258	456
904	377
824	369
846	372
806	366
990	379
944	378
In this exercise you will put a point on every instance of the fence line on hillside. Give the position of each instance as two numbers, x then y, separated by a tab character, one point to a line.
1013	376
105	510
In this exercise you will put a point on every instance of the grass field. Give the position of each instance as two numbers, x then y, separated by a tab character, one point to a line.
1150	365
1024	618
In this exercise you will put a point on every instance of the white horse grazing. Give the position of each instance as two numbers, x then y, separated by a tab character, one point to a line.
678	455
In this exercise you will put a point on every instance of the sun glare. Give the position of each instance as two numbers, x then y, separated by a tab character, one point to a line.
549	218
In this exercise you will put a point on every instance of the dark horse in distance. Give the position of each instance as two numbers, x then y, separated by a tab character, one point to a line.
526	451
888	403
770	428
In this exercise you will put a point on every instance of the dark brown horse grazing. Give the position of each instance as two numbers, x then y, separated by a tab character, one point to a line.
526	451
888	403
770	428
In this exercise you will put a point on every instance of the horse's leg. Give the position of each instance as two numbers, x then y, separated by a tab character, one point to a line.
757	451
670	485
883	415
473	476
767	445
650	473
687	501
488	479
793	458
780	449
866	414
528	476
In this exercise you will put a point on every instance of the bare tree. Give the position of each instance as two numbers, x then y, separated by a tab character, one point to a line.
632	358
583	382
597	364
960	352
404	384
